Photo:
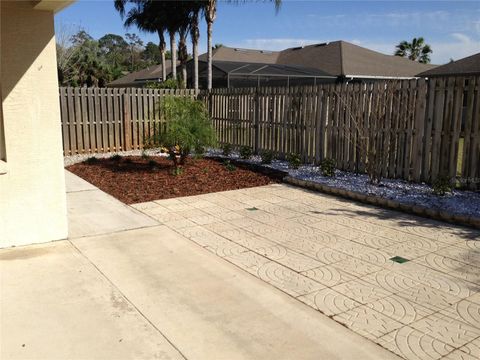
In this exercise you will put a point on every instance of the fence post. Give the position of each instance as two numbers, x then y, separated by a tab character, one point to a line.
256	122
419	128
127	120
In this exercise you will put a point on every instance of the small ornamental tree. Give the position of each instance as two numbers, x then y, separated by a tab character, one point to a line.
188	127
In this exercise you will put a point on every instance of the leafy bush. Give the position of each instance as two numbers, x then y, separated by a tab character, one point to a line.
267	156
246	152
328	167
442	186
188	127
92	160
293	160
167	84
229	166
227	149
177	171
116	157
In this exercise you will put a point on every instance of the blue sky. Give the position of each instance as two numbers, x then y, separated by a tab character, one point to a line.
451	27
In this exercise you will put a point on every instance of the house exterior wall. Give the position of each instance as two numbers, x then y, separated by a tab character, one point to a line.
32	185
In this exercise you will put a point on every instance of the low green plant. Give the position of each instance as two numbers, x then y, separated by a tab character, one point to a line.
227	149
152	163
328	167
116	157
267	156
167	84
229	166
246	152
442	185
177	171
199	152
293	160
92	160
188	127
205	170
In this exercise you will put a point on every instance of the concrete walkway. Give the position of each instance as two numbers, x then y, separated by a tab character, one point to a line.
137	289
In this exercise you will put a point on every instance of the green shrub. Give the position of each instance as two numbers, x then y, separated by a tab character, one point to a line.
199	152
293	160
167	84
227	149
246	152
92	160
442	186
188	127
267	156
116	157
177	171
328	167
229	166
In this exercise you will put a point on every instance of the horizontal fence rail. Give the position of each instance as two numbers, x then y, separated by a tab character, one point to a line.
418	130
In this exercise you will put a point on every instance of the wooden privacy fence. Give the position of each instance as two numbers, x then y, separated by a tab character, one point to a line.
420	130
108	119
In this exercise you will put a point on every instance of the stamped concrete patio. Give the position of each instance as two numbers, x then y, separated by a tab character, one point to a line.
335	256
124	286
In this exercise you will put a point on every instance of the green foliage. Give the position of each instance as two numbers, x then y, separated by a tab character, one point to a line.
227	149
91	160
116	157
294	160
229	166
188	127
267	156
417	50
328	167
177	171
167	84
442	186
246	152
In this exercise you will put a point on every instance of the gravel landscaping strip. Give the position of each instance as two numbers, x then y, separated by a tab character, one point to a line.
461	203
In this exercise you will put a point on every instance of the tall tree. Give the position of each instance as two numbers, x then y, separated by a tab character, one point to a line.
417	50
150	16
210	11
195	35
135	44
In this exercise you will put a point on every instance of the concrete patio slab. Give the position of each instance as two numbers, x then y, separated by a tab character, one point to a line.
209	308
335	256
55	304
93	212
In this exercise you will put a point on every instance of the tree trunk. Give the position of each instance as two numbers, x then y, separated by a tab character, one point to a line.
162	46
183	55
173	49
195	34
209	55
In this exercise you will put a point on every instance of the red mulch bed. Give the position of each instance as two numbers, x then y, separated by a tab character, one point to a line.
134	179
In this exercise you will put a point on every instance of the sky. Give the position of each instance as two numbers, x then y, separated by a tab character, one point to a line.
452	28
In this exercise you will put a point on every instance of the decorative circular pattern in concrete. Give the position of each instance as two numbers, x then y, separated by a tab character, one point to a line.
336	256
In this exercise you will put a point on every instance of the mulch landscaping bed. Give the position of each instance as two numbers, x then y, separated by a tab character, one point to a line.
135	179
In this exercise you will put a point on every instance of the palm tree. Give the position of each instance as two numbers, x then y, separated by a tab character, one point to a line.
417	50
210	11
195	35
154	16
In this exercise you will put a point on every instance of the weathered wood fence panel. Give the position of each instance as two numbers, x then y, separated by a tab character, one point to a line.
418	130
422	130
106	120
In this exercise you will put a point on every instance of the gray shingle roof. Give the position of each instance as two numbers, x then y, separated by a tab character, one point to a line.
466	66
151	73
345	59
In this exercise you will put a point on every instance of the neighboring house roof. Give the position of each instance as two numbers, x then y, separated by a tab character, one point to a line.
138	78
262	69
466	66
341	58
225	53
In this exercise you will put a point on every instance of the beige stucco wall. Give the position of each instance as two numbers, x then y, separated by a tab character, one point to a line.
32	191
